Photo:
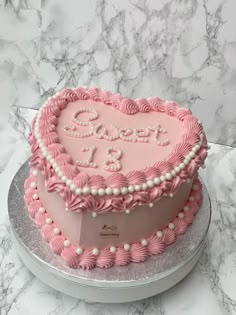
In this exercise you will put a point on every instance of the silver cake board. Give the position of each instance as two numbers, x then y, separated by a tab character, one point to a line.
133	282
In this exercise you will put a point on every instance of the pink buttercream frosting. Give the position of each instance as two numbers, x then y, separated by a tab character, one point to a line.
137	252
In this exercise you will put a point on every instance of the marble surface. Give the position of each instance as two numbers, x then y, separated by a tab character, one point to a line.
180	50
210	289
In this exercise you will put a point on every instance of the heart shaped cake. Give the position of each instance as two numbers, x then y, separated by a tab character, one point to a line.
113	180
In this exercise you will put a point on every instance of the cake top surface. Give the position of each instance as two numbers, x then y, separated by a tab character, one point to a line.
94	147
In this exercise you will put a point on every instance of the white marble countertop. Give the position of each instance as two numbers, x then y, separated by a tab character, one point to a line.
209	289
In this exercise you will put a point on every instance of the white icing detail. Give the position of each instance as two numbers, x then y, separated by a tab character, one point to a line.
137	187
95	251
173	173
144	242
195	187
90	110
171	226
188	180
72	187
56	231
127	211
168	176
35	196
94	214
64	179
86	190
192	154
126	247
181	215
42	210
112	164
70	130
108	191
79	251
191	198
141	134
78	191
66	209
157	180
48	221
94	191
68	182
162	178
112	249
131	188
101	192
66	243
33	185
35	173
144	186
159	234
150	183
171	195
182	166
124	190
151	204
116	191
186	208
89	162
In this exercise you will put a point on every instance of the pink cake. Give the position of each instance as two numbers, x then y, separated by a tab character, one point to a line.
113	180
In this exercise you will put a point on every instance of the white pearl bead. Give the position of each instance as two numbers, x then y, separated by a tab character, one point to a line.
78	191
181	215
35	196
56	231
79	251
116	191
171	226
131	188
171	195
35	173
168	176
72	187
151	204
157	180
41	210
101	192
186	208
188	180
127	211
144	186
94	191
124	190
195	187
173	173
60	174
162	178
191	198
57	169
150	183
144	242
33	185
159	234
137	187
64	178
95	251
177	169
48	221
197	147
112	249
192	154
108	191
126	247
66	243
94	214
68	182
182	166
86	190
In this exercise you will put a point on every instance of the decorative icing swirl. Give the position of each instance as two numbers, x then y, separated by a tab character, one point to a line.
94	94
105	259
51	110
171	108
168	236
70	256
88	260
136	178
55	149
116	100
181	113
50	138
69	170
69	95
81	180
157	104
122	257
34	207
58	102
81	94
97	182
116	180
138	252
47	231
129	107
57	244
47	128
106	97
155	245
180	226
143	105
63	159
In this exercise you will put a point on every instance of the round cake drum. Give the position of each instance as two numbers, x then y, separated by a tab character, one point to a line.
113	285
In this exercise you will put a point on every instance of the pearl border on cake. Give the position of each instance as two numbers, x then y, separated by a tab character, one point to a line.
86	190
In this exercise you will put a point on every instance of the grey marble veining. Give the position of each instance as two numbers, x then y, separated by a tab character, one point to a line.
180	50
209	289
